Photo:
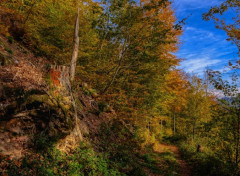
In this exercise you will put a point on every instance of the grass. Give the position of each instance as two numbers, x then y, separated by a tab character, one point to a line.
161	163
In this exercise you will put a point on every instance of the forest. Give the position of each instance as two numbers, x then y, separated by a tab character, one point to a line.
95	87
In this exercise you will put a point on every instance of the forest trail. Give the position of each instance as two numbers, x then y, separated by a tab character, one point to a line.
184	168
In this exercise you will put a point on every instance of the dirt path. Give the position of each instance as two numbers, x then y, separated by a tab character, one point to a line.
185	170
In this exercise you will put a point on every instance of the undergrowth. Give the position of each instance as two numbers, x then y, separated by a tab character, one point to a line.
130	158
82	161
204	162
161	163
107	158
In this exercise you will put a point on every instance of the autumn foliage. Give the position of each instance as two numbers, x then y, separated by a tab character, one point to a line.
127	63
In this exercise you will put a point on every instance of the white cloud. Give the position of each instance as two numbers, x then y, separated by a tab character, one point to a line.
200	34
198	65
204	48
202	45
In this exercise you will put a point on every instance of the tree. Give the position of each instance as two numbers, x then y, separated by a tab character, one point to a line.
232	29
48	28
75	49
177	85
225	123
125	50
198	108
135	55
230	112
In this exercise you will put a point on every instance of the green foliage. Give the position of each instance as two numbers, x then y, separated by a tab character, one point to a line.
171	167
130	158
89	91
82	161
126	55
160	163
150	162
42	142
174	139
124	153
101	106
231	27
9	50
10	39
204	163
46	27
92	163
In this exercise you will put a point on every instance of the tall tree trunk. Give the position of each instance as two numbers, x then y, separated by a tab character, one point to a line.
75	50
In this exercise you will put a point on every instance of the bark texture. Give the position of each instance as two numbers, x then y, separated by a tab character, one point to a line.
75	50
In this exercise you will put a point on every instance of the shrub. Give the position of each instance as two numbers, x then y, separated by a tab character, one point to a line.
175	139
82	161
203	163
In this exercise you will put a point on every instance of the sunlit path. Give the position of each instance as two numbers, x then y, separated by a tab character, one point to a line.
184	168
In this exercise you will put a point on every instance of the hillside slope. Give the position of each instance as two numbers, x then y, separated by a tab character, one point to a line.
37	135
22	81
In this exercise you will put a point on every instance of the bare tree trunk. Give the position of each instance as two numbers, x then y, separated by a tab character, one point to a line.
75	50
121	54
29	12
113	78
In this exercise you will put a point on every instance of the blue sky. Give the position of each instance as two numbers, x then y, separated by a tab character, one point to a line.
202	45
